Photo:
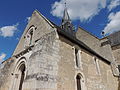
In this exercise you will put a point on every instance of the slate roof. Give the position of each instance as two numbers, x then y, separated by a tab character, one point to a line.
78	42
114	38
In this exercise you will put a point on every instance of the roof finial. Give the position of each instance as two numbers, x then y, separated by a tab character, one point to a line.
65	4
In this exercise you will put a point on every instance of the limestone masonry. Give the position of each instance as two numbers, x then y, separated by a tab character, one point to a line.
51	57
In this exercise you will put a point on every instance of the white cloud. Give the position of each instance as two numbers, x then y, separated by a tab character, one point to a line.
114	23
79	9
113	4
2	56
8	31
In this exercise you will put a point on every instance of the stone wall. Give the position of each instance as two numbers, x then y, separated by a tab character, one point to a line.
42	67
94	76
51	65
98	76
42	25
116	53
66	70
95	44
51	62
5	74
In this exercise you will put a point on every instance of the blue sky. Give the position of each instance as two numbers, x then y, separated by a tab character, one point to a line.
94	16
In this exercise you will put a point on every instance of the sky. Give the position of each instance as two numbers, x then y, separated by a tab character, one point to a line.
95	16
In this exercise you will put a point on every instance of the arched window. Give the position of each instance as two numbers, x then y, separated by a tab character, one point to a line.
29	36
19	75
97	65
78	80
22	74
78	58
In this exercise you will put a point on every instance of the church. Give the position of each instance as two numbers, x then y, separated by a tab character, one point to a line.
52	57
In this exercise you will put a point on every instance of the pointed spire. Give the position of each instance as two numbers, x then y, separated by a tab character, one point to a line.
66	24
66	17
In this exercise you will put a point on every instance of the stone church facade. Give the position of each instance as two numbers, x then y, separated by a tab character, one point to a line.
51	57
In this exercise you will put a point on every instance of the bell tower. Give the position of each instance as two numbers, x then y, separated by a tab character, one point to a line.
66	23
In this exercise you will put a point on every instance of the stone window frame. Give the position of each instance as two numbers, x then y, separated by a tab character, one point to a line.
28	35
15	75
82	81
78	81
97	65
77	57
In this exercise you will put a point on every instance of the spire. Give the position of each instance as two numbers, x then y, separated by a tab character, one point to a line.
66	17
66	24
